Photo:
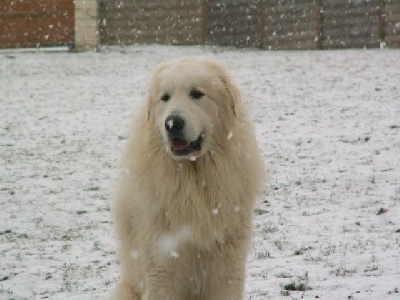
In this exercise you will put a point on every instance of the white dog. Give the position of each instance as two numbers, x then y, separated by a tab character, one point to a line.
183	208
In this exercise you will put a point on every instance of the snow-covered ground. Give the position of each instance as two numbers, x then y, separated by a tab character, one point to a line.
328	124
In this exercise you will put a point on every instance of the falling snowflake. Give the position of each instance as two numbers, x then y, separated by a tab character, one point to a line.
170	123
230	135
174	254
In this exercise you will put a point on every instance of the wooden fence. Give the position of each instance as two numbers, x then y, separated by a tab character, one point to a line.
232	23
268	24
144	21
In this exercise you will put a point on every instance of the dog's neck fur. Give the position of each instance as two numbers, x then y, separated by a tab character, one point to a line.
199	185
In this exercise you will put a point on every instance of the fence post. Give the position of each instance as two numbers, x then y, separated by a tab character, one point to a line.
204	15
319	24
261	21
382	21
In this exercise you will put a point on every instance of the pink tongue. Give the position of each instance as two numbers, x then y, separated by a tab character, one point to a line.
178	144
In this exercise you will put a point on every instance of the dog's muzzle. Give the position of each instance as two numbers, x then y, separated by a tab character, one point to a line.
174	126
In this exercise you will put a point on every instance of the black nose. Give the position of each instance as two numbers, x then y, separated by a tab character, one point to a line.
174	124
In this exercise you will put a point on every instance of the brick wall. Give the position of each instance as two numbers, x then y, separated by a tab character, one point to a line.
36	23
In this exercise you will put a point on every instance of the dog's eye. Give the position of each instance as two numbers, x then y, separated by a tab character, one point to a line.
196	94
165	97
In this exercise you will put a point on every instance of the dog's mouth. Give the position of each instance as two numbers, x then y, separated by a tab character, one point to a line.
181	147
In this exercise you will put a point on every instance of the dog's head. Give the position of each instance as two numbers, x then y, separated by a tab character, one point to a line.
192	103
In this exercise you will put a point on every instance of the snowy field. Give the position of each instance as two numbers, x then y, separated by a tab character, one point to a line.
328	123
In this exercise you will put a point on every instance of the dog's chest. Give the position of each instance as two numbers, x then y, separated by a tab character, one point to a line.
204	223
196	201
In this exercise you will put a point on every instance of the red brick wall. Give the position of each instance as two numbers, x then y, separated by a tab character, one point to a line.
34	23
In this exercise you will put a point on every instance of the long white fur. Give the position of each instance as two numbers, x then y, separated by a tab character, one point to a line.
184	226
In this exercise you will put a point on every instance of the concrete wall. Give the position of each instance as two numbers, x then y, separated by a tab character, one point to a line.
86	25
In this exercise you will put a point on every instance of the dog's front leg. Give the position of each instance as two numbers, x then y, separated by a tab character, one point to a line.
159	289
227	276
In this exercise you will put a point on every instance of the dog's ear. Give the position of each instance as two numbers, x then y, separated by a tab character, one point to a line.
151	94
234	94
232	90
148	106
